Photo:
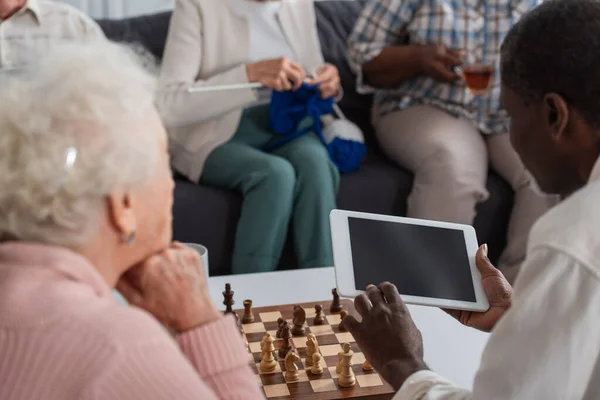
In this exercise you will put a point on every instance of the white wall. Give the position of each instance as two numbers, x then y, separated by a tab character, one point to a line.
120	8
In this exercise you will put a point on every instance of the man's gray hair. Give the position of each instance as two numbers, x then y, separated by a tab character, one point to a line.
71	133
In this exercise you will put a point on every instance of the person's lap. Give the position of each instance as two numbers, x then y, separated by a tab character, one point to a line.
296	179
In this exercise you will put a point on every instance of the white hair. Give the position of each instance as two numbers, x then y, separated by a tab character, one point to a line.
70	135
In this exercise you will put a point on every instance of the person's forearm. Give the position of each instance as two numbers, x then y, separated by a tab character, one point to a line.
393	65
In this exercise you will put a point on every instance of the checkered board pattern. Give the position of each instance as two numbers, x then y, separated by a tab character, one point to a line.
323	387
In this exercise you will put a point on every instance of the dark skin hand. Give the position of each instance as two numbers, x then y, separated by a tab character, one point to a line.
387	334
496	288
396	64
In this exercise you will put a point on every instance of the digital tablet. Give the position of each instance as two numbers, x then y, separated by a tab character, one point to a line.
432	263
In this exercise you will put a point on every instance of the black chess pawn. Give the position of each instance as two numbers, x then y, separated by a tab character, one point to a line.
319	318
336	305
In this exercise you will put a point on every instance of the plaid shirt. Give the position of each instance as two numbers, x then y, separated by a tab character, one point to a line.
475	26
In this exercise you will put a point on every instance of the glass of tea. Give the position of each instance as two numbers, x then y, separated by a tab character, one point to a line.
477	74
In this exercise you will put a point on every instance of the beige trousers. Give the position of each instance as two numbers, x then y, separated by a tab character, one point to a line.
450	158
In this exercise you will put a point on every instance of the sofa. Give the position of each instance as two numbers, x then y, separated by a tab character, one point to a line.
209	216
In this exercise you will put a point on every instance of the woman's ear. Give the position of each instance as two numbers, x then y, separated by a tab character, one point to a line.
121	214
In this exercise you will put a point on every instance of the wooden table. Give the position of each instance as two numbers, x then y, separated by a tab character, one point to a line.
451	349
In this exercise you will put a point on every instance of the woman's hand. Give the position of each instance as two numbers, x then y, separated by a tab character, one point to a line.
328	79
279	74
496	288
172	287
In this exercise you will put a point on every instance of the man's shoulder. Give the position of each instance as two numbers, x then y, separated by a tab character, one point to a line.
573	226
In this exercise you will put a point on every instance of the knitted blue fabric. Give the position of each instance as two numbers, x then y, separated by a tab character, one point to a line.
288	109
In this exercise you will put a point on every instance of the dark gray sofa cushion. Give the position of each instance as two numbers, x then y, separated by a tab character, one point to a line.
209	216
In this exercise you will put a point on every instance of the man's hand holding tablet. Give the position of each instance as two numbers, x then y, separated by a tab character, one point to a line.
388	336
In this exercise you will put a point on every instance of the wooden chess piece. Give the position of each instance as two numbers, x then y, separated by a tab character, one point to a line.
341	326
280	324
367	366
267	361
339	366
287	344
291	369
229	302
317	366
312	347
319	318
299	321
336	305
228	299
248	317
347	378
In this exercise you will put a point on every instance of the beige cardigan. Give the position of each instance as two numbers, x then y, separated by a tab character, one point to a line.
208	45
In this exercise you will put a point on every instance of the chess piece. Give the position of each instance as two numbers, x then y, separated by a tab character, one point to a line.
319	318
347	378
312	347
341	326
291	369
299	320
280	324
339	366
247	318
267	361
287	344
367	366
336	306
228	302
228	299
317	366
262	344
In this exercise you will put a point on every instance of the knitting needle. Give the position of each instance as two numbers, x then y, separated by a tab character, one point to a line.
220	88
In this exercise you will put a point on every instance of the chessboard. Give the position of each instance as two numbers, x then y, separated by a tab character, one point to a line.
369	385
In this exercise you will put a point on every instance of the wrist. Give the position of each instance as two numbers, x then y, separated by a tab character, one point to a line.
398	371
201	316
420	55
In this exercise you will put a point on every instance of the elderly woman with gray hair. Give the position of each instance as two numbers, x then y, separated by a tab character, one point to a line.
85	207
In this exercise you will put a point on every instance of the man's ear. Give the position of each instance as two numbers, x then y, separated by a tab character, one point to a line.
556	111
120	212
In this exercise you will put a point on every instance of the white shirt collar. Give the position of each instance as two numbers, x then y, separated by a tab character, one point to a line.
595	175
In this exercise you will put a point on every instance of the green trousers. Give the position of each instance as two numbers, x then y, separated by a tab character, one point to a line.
297	183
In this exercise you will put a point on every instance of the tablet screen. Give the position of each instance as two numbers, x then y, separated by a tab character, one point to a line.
420	260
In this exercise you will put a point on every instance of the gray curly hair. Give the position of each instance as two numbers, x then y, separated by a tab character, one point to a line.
70	135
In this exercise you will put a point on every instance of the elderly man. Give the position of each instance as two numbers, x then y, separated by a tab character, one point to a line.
29	27
545	341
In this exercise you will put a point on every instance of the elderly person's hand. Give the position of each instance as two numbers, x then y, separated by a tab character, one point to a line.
496	288
387	334
172	287
279	74
328	79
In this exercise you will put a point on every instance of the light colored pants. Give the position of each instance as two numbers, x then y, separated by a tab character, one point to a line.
449	158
